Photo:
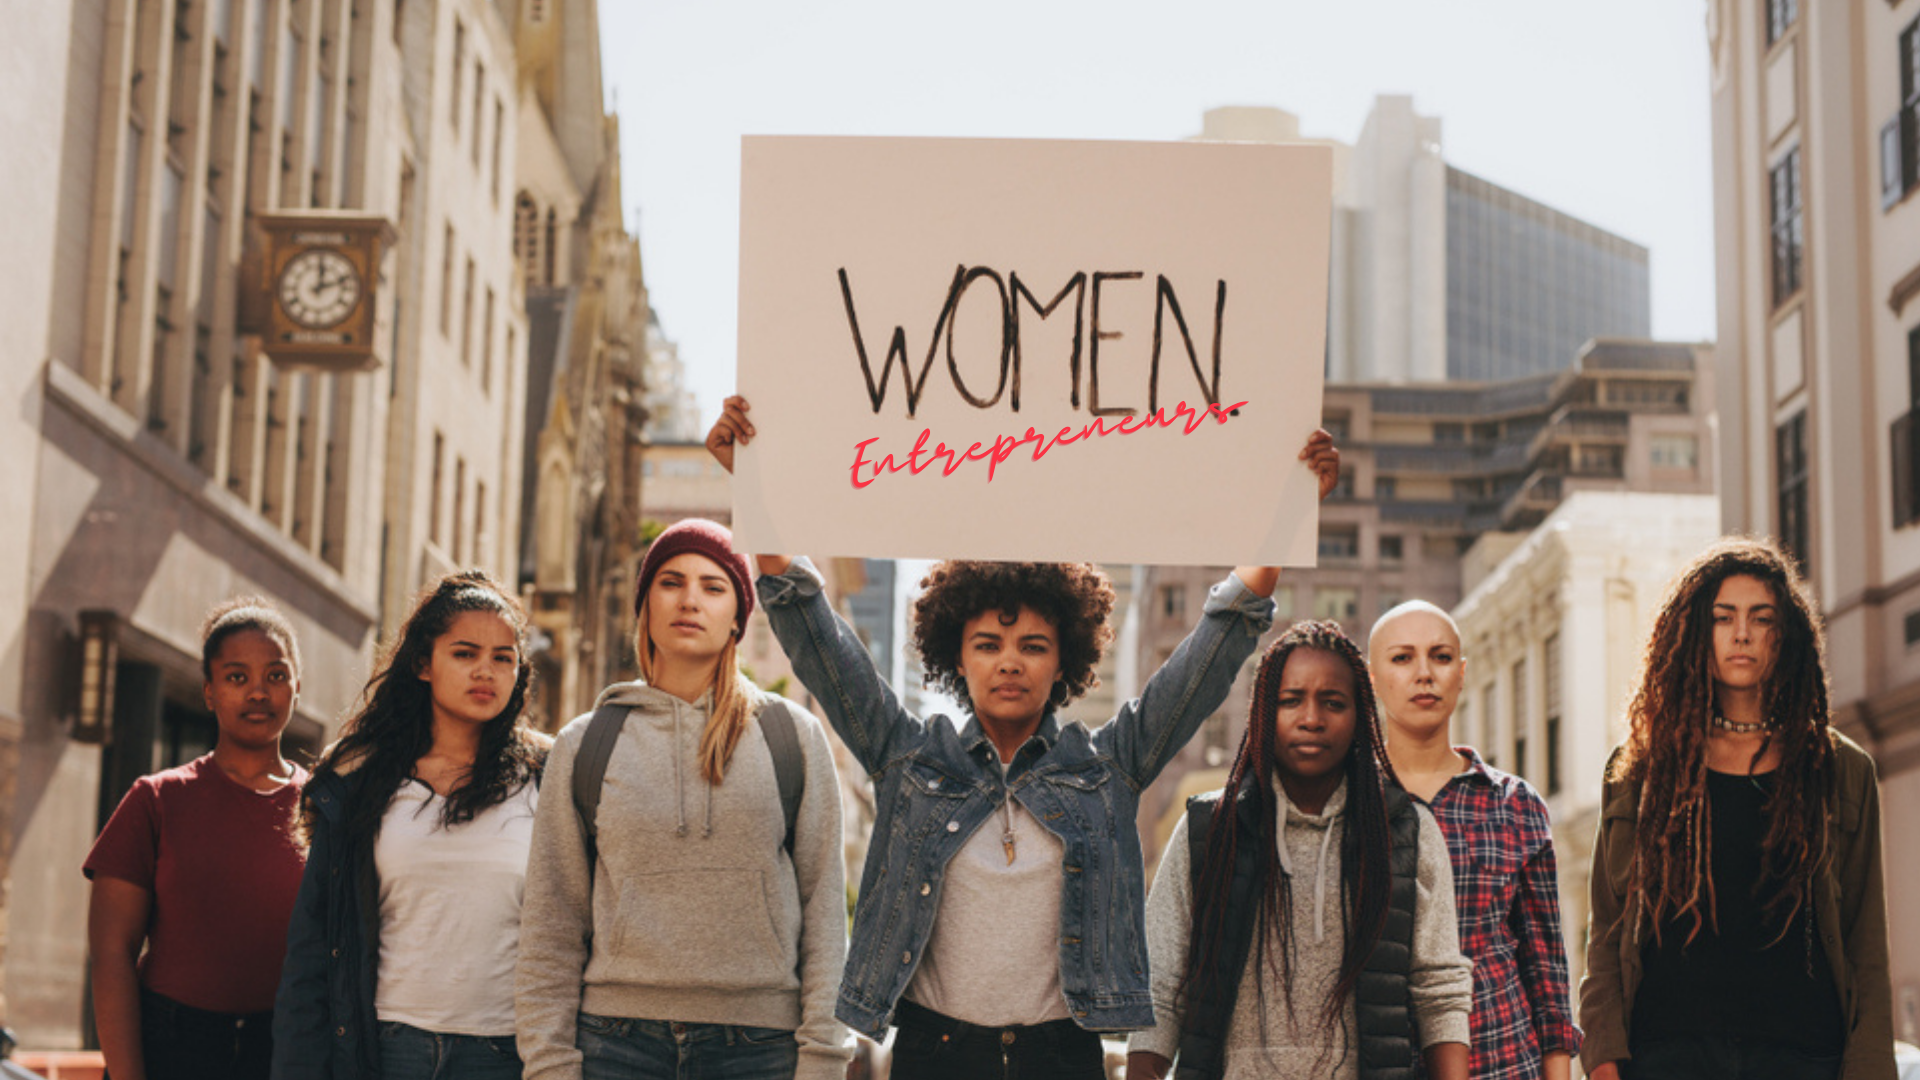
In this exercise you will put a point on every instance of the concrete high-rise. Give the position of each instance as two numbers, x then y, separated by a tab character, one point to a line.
1439	274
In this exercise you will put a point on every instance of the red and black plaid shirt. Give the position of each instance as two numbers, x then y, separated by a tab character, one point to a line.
1508	902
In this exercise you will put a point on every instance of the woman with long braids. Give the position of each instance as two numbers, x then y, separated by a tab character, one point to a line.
1313	934
400	959
1739	914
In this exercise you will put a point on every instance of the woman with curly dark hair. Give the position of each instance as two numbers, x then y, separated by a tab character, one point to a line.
418	820
1255	977
999	923
1739	920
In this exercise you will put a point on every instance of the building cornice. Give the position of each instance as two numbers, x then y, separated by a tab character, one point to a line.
70	390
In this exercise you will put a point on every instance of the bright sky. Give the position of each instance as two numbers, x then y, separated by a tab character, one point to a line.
1598	110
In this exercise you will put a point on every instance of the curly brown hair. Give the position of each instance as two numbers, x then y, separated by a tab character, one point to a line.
1666	754
1075	597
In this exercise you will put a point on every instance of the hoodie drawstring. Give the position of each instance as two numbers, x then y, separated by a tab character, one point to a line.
679	781
1320	888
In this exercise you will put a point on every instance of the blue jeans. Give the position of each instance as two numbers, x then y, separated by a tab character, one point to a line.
409	1053
620	1049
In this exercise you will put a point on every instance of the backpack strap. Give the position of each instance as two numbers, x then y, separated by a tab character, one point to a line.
1199	823
603	731
590	774
789	767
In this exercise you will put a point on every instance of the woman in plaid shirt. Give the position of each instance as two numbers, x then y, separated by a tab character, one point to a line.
1504	881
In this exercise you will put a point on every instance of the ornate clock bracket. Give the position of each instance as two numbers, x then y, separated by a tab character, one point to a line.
312	288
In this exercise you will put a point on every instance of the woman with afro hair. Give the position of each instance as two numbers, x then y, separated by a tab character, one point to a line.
1739	914
1000	923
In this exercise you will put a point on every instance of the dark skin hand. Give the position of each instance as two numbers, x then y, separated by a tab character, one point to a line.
117	915
733	428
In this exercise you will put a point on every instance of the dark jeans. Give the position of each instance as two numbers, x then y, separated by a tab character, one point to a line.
1725	1057
615	1048
930	1046
179	1042
411	1053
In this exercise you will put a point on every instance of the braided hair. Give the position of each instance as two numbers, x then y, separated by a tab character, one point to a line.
1365	842
393	726
1666	754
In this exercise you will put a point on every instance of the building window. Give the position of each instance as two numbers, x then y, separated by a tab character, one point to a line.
1338	542
1335	602
1336	425
1789	226
446	286
1343	487
1385	489
479	100
1674	451
479	522
1173	601
458	550
1790	466
499	133
1521	721
433	495
1900	138
486	343
466	318
1780	16
1905	443
459	62
1392	548
1550	676
1448	431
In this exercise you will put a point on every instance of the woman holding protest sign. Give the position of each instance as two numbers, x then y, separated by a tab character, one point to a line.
1505	881
1739	915
686	899
1016	828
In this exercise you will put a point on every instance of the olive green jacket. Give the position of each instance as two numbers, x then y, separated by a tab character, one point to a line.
1850	912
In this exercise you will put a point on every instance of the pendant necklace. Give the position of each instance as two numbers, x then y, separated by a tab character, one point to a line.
1007	839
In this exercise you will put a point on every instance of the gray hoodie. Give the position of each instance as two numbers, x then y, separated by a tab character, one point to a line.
697	914
1440	982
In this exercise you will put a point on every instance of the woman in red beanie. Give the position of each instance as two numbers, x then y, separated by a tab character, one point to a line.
679	917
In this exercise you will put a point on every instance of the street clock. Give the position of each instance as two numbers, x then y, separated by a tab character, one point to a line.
319	288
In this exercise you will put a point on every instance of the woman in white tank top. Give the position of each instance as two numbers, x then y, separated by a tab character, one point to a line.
401	955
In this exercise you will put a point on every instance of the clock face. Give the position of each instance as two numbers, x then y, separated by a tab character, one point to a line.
319	288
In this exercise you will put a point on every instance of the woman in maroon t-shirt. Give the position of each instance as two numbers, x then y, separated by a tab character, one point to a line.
198	866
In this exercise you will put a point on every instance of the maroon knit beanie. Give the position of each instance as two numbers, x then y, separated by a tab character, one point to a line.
702	537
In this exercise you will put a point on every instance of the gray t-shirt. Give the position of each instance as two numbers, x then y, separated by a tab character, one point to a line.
994	957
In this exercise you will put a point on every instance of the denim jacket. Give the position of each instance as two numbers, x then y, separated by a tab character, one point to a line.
324	1026
934	785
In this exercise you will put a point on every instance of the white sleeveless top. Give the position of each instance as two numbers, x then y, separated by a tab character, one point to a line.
450	911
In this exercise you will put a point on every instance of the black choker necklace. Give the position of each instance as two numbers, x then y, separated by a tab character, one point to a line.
1738	728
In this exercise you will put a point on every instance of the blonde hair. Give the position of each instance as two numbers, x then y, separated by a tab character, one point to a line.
733	699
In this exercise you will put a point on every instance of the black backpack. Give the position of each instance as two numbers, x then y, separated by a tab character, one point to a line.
596	748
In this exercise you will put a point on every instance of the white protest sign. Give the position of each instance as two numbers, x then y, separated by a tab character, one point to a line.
1044	350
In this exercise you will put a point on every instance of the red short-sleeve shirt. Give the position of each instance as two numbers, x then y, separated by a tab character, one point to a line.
220	862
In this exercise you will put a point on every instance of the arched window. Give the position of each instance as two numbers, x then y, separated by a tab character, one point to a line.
526	237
